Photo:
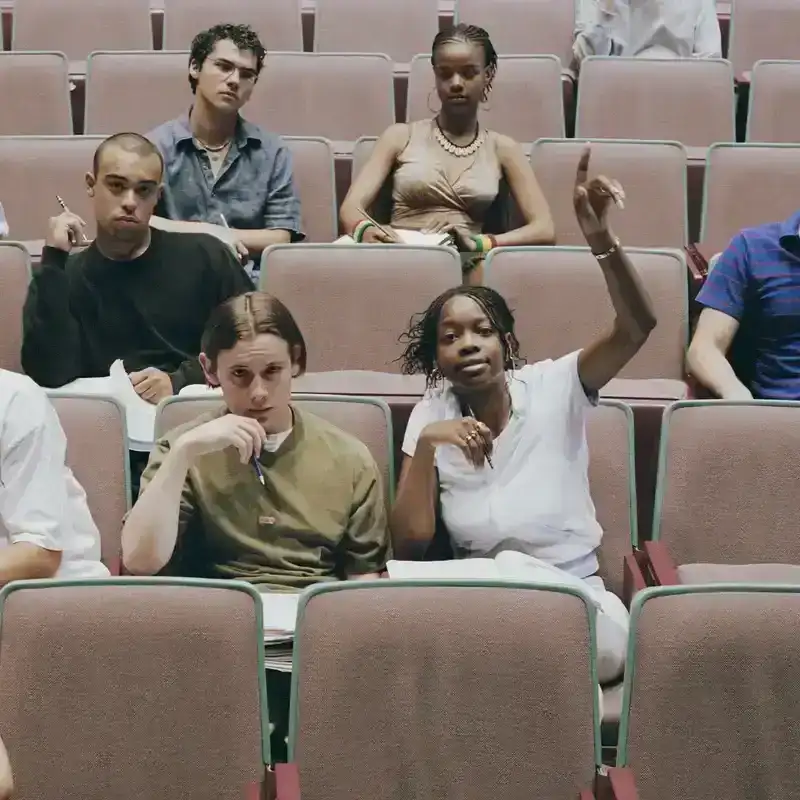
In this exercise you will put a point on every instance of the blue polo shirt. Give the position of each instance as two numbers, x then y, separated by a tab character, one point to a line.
254	189
757	282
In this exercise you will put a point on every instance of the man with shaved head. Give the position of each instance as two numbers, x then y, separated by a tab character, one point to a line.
135	293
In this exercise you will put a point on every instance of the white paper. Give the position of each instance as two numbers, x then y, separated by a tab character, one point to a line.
506	566
280	613
140	416
418	238
199	390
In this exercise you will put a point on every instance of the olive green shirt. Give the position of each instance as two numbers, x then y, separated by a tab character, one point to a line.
321	515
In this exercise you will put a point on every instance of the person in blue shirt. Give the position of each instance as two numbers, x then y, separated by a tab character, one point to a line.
747	341
224	175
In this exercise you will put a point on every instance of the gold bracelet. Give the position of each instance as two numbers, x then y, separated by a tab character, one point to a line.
608	253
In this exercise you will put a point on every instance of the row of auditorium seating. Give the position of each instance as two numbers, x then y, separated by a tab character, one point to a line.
345	96
725	481
128	659
761	28
668	205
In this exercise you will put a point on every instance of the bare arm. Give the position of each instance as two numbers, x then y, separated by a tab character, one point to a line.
25	561
413	518
604	358
6	776
151	528
368	182
538	227
707	357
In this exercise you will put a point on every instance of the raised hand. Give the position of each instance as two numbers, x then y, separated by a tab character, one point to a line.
592	199
65	231
244	434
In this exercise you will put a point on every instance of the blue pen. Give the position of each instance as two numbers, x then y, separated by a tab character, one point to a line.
259	471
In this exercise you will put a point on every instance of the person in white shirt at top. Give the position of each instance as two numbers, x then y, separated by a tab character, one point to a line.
646	29
46	529
500	447
3	223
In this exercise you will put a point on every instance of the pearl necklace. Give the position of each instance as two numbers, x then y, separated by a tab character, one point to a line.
457	150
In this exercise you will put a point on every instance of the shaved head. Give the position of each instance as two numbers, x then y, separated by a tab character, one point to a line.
133	143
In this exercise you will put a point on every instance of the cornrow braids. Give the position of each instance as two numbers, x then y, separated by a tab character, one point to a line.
473	35
422	337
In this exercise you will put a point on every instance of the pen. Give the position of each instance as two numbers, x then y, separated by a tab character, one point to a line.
485	446
64	208
258	470
224	221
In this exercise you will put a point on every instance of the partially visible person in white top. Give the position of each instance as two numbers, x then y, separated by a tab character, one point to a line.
46	530
646	29
502	447
3	223
6	776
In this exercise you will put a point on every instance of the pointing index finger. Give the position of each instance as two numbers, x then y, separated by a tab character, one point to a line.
583	166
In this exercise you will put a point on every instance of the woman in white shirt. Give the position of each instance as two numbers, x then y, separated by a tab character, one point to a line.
647	29
502	448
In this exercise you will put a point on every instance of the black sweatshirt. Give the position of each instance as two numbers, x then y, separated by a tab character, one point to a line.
85	311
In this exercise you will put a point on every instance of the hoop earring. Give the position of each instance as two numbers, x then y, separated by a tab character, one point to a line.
436	376
485	97
432	110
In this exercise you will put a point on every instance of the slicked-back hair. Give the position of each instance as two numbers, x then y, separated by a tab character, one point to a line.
246	316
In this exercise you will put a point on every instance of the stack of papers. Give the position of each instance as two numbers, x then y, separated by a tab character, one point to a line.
280	619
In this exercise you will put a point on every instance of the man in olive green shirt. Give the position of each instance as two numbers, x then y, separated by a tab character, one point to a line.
320	514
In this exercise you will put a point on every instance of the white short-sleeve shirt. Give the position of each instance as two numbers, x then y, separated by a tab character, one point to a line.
40	500
536	499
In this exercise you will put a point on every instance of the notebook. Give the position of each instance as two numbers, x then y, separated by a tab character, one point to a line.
280	619
411	237
140	416
506	566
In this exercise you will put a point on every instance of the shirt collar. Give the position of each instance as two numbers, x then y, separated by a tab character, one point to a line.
244	134
790	232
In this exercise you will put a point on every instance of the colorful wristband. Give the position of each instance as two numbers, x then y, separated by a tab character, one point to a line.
484	243
361	229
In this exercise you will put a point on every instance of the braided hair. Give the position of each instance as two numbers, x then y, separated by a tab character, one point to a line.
471	34
422	337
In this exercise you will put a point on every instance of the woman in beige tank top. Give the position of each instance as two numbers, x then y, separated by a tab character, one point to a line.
446	171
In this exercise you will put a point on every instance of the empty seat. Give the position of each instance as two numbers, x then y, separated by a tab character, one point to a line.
34	169
353	302
366	418
35	92
540	282
15	274
653	175
763	29
456	682
526	101
122	694
688	100
77	27
727	483
97	454
401	30
772	114
338	96
524	26
312	166
277	22
714	699
747	185
609	435
119	90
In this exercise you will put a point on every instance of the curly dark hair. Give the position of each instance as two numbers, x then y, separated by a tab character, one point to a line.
473	35
422	337
243	36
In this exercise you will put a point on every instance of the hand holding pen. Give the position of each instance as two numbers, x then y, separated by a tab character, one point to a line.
470	435
75	231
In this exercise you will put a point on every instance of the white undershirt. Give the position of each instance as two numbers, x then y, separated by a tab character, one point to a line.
536	500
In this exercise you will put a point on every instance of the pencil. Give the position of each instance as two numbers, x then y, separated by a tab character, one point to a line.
64	208
377	224
485	446
224	221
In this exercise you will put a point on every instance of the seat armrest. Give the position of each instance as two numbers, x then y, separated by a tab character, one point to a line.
661	564
622	783
287	782
634	571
